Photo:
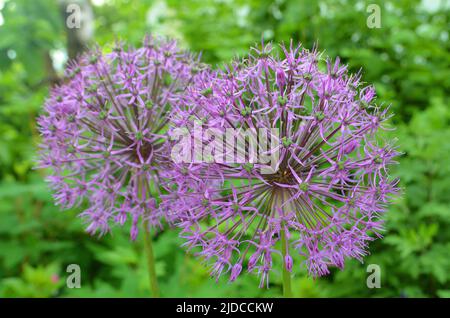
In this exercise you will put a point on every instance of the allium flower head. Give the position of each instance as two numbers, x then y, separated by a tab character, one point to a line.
104	131
325	199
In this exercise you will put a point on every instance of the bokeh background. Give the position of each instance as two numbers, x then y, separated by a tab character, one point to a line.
407	59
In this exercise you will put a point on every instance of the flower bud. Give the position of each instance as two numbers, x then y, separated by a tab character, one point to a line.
235	271
281	78
288	262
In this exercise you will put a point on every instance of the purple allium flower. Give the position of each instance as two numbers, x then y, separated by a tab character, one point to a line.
325	198
104	131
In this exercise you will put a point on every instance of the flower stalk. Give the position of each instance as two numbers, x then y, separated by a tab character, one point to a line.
148	244
287	290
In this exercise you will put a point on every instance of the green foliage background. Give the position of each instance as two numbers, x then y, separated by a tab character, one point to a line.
407	59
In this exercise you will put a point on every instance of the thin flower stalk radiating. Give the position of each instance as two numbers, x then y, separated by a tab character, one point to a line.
104	131
326	198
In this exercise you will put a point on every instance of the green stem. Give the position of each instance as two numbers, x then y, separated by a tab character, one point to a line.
287	291
150	261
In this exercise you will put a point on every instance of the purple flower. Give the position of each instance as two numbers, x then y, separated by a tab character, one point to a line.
104	131
330	187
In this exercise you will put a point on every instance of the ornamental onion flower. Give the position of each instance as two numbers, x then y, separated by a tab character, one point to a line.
325	198
104	131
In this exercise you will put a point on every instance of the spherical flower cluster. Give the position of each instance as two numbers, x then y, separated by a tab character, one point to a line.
104	131
325	198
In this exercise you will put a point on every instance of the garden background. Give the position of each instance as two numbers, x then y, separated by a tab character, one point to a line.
407	59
